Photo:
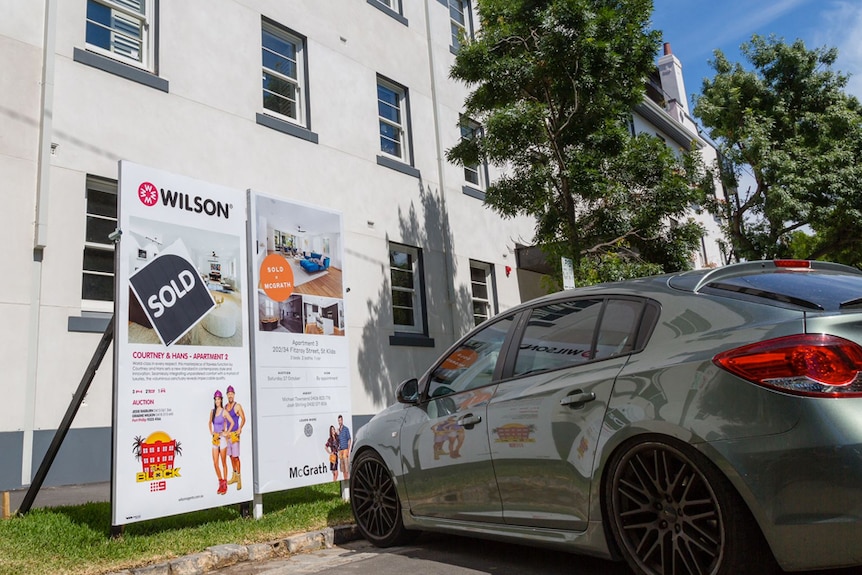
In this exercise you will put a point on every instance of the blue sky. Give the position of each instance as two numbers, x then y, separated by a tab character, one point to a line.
695	28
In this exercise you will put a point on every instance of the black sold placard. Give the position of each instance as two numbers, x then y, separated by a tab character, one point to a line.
172	294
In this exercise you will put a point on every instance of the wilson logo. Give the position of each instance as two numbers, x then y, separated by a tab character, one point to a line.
150	195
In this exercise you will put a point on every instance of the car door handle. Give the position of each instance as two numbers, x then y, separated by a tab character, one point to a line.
469	421
577	399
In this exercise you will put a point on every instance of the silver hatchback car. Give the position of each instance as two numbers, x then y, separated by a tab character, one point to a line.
706	422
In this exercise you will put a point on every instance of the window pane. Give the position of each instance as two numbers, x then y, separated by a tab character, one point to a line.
133	5
98	287
616	335
480	290
403	316
101	203
456	11
472	364
402	279
471	174
280	64
401	260
279	54
558	335
279	96
98	229
402	298
96	260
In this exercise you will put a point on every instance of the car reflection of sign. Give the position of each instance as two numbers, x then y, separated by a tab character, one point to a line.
460	359
515	433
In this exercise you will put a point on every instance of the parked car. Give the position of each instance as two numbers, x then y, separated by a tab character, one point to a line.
703	422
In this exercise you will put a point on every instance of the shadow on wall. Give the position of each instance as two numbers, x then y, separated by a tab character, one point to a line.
449	306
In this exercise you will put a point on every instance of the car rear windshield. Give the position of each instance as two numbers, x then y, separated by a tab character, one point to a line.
810	290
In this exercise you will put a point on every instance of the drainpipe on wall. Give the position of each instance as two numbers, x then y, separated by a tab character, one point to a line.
40	234
448	255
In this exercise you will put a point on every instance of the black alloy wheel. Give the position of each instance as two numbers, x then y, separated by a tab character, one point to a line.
672	513
375	503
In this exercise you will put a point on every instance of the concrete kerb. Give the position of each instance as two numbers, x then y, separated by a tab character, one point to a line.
220	556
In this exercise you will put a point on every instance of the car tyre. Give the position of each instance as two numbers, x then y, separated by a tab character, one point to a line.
671	512
375	503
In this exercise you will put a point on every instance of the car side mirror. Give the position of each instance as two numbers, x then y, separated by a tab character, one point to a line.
408	392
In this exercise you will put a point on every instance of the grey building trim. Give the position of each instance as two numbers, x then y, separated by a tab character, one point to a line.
398	166
119	69
286	128
411	339
473	192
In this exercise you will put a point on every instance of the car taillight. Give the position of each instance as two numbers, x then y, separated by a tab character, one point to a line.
806	364
805	264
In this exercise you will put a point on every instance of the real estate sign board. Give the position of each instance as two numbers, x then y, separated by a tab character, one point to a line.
181	339
301	355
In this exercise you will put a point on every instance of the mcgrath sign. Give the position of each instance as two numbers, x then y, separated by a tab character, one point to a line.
161	285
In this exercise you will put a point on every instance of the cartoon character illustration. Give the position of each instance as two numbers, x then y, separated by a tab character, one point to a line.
219	423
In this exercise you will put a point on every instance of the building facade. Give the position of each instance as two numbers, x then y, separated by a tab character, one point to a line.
345	105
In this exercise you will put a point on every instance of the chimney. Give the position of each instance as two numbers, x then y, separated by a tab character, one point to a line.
670	73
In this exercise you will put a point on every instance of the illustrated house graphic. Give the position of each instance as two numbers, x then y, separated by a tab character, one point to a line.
157	454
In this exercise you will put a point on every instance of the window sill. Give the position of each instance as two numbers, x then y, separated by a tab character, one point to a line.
411	339
473	192
398	166
388	11
89	322
119	69
286	128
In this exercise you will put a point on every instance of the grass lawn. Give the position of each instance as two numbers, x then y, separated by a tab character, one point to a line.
76	540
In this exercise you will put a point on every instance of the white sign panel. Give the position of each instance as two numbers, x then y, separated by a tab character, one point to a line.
301	356
182	389
568	273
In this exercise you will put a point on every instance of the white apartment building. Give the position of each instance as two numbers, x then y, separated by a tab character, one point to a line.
342	104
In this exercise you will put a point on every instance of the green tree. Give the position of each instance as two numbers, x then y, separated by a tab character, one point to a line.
790	122
554	83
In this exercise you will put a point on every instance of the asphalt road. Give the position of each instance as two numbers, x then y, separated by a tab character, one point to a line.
434	554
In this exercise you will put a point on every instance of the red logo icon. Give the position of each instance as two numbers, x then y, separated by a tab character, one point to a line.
148	194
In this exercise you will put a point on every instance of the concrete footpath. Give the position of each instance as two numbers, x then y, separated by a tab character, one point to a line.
216	557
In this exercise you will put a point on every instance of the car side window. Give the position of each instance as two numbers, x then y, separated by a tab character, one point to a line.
472	363
558	335
617	332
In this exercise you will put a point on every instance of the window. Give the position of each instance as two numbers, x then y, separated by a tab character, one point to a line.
283	73
480	277
391	110
98	268
475	174
558	335
564	334
406	275
121	29
459	18
391	8
472	363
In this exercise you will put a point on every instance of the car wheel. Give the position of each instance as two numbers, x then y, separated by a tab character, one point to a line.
375	502
671	512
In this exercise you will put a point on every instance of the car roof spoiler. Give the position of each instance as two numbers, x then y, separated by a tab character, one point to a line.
695	280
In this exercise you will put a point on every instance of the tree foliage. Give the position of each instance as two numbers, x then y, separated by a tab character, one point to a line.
789	120
554	83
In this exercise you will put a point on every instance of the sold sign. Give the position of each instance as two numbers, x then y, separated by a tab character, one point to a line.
276	277
172	294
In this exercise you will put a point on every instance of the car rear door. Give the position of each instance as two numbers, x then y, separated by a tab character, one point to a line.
545	417
444	440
